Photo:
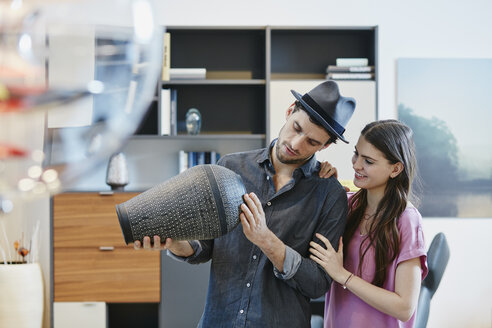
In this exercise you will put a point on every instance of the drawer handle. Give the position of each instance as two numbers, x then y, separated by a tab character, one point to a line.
106	248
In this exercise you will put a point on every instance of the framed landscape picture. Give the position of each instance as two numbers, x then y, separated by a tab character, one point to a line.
448	104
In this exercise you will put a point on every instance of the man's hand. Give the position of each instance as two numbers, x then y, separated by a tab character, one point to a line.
157	245
253	220
256	230
178	247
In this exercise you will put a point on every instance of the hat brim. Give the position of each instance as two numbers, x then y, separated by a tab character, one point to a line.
318	117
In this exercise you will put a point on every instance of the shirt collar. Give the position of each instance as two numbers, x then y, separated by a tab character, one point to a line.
307	168
310	167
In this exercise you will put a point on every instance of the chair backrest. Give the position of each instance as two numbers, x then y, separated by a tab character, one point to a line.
437	260
183	292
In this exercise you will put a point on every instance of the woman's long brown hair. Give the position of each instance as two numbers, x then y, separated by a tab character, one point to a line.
395	140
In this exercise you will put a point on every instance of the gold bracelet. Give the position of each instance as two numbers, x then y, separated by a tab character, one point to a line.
346	281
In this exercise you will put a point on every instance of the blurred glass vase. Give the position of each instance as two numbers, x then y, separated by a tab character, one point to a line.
74	84
193	121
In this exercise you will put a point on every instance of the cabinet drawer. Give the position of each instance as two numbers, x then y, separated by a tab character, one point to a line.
87	220
120	275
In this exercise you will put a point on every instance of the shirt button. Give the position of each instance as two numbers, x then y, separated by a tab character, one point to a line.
268	178
248	284
241	311
254	257
269	203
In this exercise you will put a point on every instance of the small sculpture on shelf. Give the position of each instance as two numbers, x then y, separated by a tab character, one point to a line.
193	121
117	173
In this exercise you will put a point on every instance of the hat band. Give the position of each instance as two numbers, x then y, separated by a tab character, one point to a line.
314	105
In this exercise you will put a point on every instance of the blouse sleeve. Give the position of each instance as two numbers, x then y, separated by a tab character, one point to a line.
412	242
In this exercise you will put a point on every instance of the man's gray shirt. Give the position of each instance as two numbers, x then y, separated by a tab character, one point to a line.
245	290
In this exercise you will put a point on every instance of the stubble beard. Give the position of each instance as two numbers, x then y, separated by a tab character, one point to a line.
284	160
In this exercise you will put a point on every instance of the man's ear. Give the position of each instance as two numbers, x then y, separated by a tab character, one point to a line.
289	110
397	169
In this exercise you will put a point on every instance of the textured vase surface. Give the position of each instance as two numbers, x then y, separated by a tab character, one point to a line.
202	202
21	295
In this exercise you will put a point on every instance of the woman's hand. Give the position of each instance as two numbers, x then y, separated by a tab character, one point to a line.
327	170
329	259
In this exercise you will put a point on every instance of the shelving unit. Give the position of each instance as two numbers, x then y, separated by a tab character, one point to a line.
245	65
232	98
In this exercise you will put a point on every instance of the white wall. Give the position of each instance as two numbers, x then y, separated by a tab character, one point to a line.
410	29
464	296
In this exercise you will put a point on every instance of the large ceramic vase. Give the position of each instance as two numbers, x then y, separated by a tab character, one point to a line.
21	295
202	202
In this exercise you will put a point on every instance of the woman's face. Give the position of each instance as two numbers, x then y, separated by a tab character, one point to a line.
372	169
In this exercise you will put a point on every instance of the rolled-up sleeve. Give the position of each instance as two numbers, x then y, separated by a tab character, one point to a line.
202	252
303	273
291	264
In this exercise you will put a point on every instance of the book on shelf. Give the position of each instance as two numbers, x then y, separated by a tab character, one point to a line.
350	76
296	76
174	112
183	160
238	75
165	113
187	73
200	157
166	56
349	69
352	62
214	157
188	159
191	159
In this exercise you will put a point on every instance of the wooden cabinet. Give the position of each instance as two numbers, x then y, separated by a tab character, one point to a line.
91	262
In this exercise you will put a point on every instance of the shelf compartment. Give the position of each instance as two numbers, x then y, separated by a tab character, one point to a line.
214	82
290	49
241	50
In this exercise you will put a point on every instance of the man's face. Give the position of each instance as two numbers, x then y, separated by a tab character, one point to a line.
299	138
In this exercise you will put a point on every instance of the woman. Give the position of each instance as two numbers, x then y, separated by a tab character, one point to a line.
377	278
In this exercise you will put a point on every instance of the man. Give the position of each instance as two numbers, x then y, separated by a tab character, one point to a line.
261	275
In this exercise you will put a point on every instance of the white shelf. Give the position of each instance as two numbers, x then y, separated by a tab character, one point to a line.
204	137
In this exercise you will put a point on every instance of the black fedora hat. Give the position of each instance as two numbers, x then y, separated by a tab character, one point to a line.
328	107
